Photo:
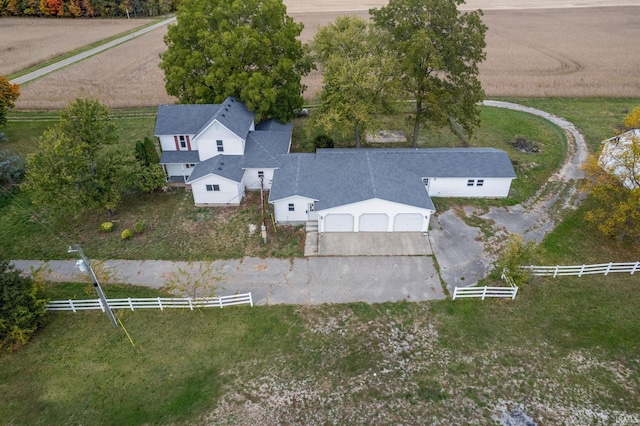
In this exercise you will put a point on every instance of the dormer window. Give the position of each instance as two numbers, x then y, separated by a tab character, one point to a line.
220	146
183	141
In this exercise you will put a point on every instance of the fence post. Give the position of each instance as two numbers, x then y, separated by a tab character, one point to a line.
581	271
635	268
556	271
608	268
455	293
73	308
190	304
160	304
515	291
131	304
101	305
220	301
484	292
250	299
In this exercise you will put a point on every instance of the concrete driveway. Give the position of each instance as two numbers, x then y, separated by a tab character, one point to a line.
371	279
367	244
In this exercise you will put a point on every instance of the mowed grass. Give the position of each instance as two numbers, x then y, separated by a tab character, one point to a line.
565	351
175	230
596	118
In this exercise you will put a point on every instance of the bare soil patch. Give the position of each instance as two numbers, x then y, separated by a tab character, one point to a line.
570	52
25	42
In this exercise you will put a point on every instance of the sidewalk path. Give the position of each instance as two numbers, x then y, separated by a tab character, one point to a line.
465	255
370	279
84	55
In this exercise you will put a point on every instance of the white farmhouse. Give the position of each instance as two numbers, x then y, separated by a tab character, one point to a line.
219	152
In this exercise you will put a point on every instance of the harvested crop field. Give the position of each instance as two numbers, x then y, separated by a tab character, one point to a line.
25	42
566	52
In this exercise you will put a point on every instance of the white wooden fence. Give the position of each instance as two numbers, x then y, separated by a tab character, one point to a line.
580	270
151	303
483	292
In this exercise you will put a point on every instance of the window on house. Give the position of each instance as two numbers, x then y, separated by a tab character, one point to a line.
213	187
260	174
220	146
470	182
292	207
425	181
480	182
183	142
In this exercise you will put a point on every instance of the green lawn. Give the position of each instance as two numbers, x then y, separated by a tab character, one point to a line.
565	351
596	118
175	230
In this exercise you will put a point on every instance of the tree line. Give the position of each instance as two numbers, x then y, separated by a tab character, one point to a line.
87	8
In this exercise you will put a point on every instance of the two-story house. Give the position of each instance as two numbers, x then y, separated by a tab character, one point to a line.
219	152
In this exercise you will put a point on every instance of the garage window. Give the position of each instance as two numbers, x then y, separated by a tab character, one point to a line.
480	182
470	182
213	187
292	207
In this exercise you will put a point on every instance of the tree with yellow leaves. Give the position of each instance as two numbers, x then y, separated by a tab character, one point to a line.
613	177
8	95
632	120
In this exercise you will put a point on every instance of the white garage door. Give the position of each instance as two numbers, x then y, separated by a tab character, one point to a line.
373	222
408	222
338	223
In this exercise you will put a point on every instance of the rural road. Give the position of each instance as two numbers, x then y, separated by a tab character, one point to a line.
465	254
80	56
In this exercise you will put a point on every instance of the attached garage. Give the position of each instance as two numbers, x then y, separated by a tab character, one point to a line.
408	222
373	222
338	223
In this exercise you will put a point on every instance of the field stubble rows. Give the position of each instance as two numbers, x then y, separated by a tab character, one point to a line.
572	52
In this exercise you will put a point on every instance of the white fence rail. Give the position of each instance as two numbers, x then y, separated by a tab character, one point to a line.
151	303
484	292
580	270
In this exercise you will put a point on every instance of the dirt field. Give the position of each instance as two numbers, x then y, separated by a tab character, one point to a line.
576	51
25	42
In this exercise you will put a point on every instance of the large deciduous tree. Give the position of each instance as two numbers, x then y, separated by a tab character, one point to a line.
77	168
242	48
8	95
358	81
437	50
614	182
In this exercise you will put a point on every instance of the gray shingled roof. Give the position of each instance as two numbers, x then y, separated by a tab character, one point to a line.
335	180
273	125
263	149
337	177
192	119
441	162
227	166
179	157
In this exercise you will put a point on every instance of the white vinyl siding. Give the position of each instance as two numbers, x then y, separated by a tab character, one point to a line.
457	187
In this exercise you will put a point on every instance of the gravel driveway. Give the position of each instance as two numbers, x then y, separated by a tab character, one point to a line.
466	256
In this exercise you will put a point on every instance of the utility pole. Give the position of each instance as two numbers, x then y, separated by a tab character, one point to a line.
84	264
263	228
